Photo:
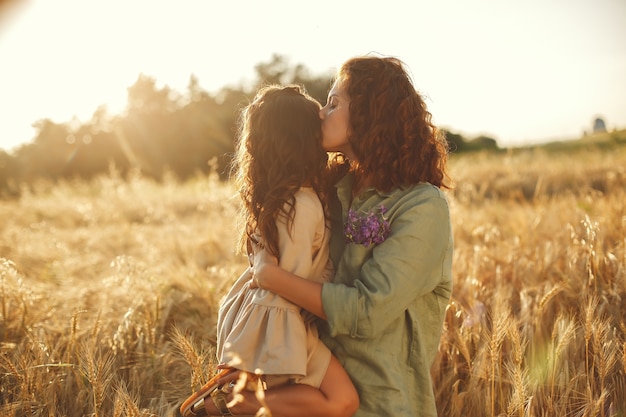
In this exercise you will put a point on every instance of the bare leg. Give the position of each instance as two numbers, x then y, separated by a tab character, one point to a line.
336	397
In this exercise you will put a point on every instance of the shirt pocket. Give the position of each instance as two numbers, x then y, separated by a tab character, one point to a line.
355	256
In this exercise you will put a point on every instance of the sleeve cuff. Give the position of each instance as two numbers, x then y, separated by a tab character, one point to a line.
340	305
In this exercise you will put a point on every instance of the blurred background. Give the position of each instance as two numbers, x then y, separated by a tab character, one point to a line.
154	83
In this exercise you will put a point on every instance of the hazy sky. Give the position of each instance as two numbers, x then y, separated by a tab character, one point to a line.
520	71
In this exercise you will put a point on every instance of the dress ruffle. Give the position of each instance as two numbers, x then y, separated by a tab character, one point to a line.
252	314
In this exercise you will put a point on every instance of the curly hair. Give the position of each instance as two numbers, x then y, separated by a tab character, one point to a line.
391	132
278	150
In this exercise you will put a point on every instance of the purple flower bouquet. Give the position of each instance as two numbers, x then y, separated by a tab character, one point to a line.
366	228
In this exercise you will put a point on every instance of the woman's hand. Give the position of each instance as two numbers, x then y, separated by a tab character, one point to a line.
261	263
267	274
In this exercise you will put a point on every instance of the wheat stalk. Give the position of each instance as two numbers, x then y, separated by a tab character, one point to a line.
72	337
562	334
590	312
97	369
501	320
185	347
519	377
608	356
125	403
517	373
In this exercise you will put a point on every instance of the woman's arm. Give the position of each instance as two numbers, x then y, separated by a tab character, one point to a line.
305	293
410	263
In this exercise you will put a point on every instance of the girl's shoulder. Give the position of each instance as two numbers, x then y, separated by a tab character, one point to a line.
307	195
308	203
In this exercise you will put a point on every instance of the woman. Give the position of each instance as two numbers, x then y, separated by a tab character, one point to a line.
391	242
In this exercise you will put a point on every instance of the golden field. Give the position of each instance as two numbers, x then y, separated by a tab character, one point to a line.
109	290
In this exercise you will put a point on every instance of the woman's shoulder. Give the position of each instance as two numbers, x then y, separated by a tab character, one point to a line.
423	190
417	198
422	201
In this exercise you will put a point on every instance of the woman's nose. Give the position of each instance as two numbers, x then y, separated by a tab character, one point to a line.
322	113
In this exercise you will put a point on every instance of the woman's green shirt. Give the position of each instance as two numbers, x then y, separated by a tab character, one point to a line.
386	306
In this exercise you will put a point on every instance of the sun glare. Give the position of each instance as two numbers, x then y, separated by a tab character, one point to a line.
73	64
65	58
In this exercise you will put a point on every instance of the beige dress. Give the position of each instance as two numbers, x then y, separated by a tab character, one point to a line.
258	330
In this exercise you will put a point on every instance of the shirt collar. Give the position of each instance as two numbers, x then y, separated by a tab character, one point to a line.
344	189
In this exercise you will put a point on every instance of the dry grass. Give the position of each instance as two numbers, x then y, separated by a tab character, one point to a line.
537	324
108	294
109	289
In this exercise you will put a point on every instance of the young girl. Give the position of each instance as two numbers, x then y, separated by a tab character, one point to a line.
280	164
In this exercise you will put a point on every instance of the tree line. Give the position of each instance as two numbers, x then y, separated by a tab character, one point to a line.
161	131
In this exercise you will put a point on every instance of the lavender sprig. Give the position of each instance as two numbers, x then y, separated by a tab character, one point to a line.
367	228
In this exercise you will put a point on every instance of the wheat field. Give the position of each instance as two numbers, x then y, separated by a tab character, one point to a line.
109	290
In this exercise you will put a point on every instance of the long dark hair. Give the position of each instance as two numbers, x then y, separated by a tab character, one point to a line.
279	150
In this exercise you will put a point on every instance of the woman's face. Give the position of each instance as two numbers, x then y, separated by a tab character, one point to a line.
336	121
